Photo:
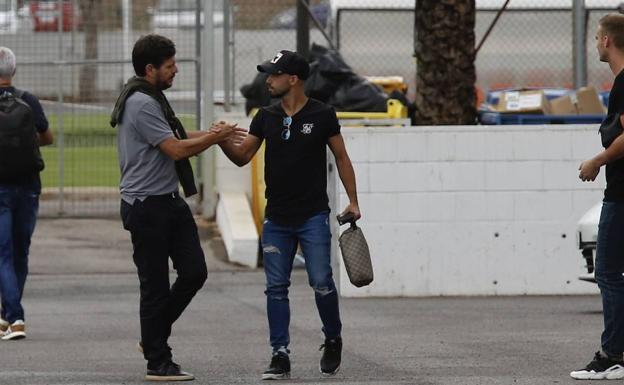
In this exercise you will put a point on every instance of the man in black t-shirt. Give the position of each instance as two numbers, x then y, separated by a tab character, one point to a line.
297	131
19	200
609	270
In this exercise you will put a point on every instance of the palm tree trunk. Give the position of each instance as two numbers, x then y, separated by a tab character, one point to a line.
445	54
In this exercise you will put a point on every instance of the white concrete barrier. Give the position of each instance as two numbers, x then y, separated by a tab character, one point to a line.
238	229
234	217
229	177
476	210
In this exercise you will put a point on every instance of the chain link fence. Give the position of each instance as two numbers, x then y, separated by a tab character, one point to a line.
262	31
75	56
531	44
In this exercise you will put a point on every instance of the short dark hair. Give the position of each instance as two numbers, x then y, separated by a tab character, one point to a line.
151	49
613	26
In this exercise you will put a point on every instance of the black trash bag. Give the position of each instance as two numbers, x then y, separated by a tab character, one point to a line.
330	62
318	86
359	95
256	94
327	71
331	81
334	82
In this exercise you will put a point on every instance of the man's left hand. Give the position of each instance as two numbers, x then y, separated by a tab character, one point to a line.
354	209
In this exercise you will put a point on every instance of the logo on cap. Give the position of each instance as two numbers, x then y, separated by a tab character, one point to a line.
276	58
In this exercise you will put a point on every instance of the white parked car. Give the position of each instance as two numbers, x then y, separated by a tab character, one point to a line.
587	234
8	16
181	14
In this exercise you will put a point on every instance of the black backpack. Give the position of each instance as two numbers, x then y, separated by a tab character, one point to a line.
19	147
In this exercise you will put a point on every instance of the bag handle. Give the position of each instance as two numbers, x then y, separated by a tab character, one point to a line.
347	218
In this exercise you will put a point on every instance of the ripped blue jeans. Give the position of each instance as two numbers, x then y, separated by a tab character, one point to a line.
279	245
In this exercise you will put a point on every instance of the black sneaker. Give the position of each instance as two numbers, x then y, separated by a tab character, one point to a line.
601	368
168	371
332	352
279	368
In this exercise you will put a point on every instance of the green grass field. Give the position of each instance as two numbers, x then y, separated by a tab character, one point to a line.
89	154
83	166
96	124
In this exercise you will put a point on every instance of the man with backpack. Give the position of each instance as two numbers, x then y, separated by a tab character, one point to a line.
23	128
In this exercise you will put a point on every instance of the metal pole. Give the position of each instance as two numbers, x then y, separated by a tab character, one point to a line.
303	28
75	6
226	56
579	43
337	28
209	202
198	79
491	27
232	79
59	109
72	51
318	25
126	11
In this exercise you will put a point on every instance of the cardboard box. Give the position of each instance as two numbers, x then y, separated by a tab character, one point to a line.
585	101
563	105
588	102
523	102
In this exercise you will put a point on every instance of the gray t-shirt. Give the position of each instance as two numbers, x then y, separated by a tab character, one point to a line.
145	169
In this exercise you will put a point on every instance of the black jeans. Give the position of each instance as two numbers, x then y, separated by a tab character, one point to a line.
163	227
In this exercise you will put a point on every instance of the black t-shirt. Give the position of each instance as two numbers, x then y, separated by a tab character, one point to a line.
41	124
615	170
295	169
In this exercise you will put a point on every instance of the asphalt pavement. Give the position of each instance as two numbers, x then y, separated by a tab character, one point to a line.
81	304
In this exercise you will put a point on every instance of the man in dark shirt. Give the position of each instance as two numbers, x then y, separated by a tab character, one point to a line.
609	272
19	202
297	131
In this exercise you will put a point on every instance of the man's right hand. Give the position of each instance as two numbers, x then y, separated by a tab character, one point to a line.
228	132
223	130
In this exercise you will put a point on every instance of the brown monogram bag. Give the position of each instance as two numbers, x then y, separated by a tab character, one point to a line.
355	253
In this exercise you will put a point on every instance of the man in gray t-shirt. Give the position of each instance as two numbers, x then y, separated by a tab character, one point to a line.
145	169
153	153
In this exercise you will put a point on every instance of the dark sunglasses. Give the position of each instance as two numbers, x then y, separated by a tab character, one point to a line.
286	123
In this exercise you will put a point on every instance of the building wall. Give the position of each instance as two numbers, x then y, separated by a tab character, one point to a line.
476	210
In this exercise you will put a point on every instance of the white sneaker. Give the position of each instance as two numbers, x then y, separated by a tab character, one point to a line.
4	326
15	331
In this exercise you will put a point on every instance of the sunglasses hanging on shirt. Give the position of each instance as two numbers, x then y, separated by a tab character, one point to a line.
286	122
